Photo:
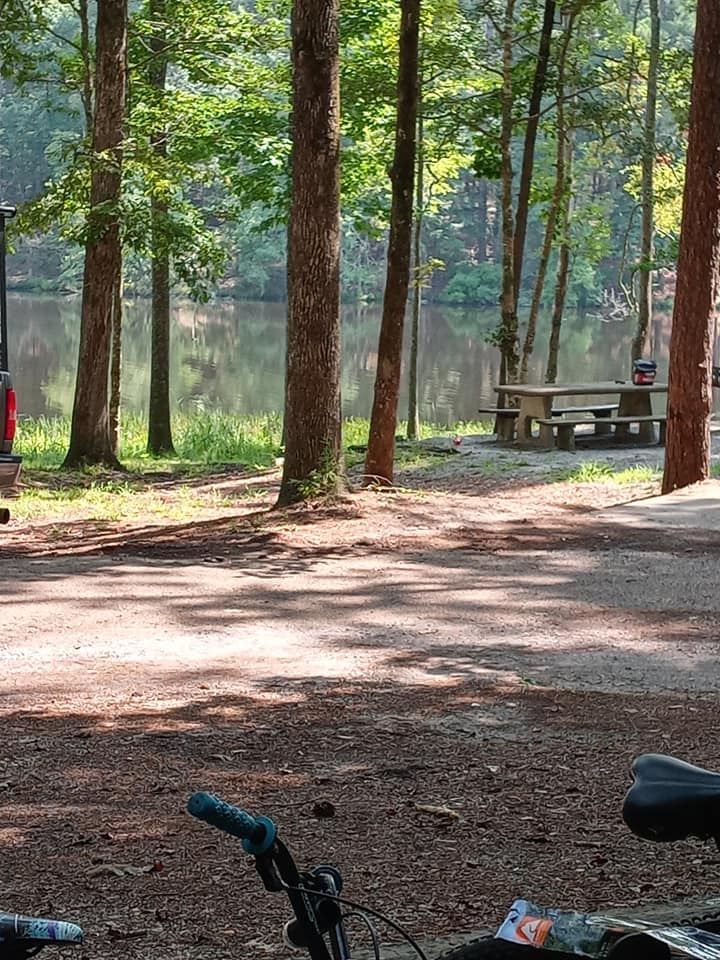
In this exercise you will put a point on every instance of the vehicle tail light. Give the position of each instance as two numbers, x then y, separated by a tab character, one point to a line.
10	415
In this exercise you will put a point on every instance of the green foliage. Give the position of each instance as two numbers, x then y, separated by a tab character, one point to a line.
474	283
486	159
226	112
598	471
200	438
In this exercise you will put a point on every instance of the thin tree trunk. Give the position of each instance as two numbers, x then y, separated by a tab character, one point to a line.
86	56
507	333
508	324
482	221
313	455
413	427
90	440
381	444
159	428
116	367
531	129
687	456
555	202
645	273
563	268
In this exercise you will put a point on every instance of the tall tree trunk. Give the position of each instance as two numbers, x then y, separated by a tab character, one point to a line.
90	440
507	332
86	94
687	456
413	427
482	221
116	367
381	444
159	429
313	455
563	268
531	129
645	273
555	203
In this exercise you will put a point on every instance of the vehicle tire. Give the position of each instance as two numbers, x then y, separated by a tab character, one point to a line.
488	948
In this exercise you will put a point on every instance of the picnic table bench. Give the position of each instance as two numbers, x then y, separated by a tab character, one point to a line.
566	428
598	410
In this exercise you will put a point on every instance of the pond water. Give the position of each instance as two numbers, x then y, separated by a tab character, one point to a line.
231	356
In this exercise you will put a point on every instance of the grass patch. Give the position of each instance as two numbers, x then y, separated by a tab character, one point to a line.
200	440
203	442
597	471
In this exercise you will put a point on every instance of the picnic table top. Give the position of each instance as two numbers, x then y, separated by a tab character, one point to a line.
579	389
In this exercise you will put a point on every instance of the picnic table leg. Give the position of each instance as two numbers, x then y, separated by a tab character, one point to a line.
635	405
505	428
535	408
602	429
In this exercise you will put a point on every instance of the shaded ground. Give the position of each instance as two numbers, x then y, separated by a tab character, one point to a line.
494	647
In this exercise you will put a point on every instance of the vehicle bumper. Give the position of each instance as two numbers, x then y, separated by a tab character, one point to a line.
9	469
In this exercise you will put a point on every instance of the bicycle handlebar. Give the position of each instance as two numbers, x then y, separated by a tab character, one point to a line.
257	833
7	211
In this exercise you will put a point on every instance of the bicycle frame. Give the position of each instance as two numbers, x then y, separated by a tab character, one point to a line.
315	915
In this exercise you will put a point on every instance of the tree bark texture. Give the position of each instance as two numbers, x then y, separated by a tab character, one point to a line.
645	273
116	368
687	456
562	276
413	425
381	444
531	129
555	204
90	439
508	326
159	429
482	222
509	346
86	55
313	457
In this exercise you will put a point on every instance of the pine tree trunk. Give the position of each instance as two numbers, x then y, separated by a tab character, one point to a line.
413	426
531	129
508	328
313	456
159	429
381	444
116	368
555	203
645	273
509	346
563	268
687	455
87	66
482	221
90	440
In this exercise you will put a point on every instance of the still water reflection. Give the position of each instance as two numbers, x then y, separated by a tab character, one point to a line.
231	356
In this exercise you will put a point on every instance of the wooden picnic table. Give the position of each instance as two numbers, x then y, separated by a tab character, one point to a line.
536	404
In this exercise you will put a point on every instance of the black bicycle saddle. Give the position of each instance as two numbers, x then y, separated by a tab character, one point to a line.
672	800
37	931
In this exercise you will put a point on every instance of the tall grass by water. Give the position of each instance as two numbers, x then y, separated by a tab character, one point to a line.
201	439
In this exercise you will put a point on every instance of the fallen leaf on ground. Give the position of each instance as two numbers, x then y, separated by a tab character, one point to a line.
123	869
437	811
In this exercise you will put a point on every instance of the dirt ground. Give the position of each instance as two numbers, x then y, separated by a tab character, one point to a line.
460	671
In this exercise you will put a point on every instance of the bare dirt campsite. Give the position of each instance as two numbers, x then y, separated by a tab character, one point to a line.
439	689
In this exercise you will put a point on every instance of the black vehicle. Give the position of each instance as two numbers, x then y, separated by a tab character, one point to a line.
10	463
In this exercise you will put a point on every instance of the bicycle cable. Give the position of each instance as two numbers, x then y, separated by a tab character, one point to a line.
371	930
363	909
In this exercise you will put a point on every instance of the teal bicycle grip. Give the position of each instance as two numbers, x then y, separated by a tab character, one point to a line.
257	833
